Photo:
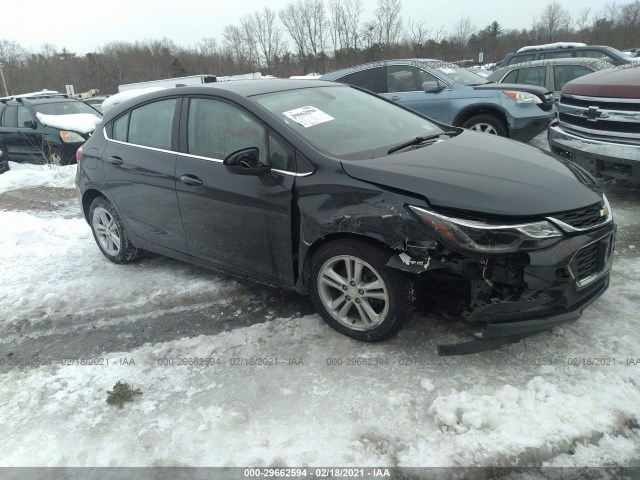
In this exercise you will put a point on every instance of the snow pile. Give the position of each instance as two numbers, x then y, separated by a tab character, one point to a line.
77	122
550	46
114	100
22	175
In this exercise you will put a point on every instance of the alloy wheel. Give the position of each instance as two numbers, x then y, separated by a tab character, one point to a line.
106	231
484	128
353	292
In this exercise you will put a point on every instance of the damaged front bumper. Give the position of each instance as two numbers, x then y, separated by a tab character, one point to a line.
541	290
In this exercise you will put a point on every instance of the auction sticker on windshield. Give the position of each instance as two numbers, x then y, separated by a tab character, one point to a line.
308	116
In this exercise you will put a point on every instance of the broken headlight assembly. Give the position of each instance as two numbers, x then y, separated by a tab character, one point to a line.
485	237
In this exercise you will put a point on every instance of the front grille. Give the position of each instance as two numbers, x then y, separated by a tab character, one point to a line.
582	218
621	107
601	125
586	263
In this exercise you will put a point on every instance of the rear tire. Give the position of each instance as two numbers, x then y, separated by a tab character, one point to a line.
109	233
486	124
356	294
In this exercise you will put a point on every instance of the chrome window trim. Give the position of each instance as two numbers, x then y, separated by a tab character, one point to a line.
199	157
155	149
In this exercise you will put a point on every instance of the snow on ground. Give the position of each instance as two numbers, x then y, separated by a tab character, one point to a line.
29	175
564	398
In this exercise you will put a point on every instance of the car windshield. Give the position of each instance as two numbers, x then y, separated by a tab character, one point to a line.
345	122
460	75
64	108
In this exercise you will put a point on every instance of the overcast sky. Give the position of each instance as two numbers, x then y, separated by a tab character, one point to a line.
82	27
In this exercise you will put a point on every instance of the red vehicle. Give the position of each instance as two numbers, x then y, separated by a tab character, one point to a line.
599	123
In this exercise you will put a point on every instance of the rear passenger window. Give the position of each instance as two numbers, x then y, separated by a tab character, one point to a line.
152	125
120	127
217	129
532	76
511	77
565	73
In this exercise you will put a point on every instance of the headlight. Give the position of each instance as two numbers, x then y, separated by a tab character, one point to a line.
71	137
522	97
487	237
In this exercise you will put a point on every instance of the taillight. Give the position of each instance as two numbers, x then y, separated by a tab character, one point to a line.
79	154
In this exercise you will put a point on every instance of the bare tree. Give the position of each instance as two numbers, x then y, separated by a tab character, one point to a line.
267	36
582	19
291	17
389	21
235	41
554	19
417	35
463	31
247	26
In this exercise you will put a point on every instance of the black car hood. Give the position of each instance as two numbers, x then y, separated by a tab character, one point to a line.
480	173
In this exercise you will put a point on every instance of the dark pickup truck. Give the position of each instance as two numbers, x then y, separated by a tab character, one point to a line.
599	123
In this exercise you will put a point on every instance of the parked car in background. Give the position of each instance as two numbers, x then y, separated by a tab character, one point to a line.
599	123
96	102
566	50
452	95
44	127
325	189
4	163
550	74
483	72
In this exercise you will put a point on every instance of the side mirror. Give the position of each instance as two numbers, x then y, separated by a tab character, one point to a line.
431	86
30	124
246	162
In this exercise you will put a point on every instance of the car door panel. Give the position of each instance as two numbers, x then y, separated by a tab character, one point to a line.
141	179
236	221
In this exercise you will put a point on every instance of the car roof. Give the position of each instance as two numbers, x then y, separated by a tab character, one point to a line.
229	89
381	63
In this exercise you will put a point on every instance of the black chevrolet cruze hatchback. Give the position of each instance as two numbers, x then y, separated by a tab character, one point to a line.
325	189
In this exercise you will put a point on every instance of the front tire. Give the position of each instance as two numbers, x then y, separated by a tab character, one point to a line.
356	294
486	124
109	233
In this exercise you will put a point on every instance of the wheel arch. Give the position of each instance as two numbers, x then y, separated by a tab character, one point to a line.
87	199
335	237
472	111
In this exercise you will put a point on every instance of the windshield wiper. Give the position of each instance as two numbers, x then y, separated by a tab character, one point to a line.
418	141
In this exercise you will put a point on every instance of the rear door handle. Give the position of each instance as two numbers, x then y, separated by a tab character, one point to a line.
395	98
190	180
115	160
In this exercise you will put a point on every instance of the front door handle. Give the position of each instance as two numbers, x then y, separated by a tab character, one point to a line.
190	180
395	98
115	160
